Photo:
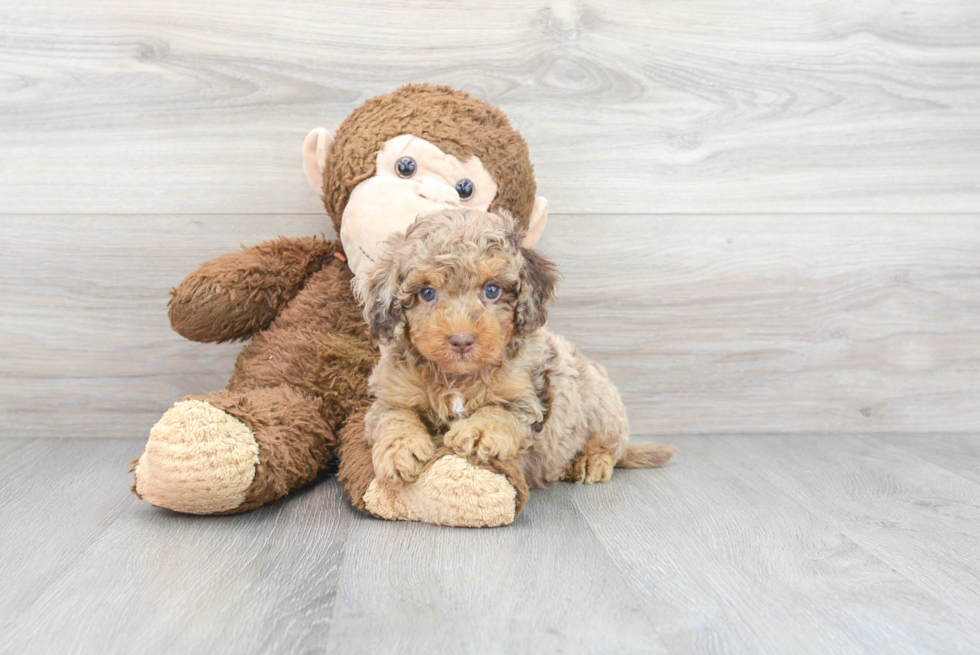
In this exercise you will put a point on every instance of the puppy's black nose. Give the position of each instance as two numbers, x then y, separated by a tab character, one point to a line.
462	343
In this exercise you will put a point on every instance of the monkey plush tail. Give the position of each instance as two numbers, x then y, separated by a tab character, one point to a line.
645	455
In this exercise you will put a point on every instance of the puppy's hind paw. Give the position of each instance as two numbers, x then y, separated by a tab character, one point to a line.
590	469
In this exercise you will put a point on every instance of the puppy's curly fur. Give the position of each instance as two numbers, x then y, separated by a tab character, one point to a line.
460	308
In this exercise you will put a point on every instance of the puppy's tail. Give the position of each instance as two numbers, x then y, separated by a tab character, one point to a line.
645	455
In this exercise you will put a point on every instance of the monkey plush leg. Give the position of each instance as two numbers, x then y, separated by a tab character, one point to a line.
230	452
449	491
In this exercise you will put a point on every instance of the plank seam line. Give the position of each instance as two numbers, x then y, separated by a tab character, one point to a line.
636	592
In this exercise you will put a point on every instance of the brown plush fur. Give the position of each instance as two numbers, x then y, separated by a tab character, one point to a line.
299	378
300	385
516	393
356	471
291	432
238	294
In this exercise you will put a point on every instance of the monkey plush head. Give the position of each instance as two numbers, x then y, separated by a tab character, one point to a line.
418	149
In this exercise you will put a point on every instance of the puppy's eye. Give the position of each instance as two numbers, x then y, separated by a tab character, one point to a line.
406	167
427	294
491	292
464	188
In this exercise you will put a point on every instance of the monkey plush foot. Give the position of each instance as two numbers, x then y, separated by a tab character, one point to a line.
233	451
198	460
451	491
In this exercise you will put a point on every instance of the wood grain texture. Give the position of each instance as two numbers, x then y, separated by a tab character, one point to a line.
778	323
103	572
631	106
424	589
735	563
87	348
767	219
59	497
741	544
708	324
959	453
878	495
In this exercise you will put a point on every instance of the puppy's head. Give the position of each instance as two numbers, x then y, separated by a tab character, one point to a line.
458	287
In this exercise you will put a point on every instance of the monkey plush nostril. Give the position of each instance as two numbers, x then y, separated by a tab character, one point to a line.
462	343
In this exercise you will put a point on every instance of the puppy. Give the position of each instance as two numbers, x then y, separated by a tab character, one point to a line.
466	362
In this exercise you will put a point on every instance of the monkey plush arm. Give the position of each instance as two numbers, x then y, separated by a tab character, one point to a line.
235	295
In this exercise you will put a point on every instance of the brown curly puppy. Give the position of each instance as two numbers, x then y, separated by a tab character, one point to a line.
466	362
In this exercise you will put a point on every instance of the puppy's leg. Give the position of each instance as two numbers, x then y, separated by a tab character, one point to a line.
590	468
400	443
605	415
596	461
490	433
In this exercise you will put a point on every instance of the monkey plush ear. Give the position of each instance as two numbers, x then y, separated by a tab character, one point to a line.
538	280
377	290
539	216
316	147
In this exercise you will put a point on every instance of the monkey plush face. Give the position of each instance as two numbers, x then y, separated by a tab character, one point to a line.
417	150
413	177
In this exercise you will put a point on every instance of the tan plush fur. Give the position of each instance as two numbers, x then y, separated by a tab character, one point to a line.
480	499
202	448
509	390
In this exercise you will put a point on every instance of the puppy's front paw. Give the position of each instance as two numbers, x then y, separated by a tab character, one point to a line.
590	469
486	439
401	458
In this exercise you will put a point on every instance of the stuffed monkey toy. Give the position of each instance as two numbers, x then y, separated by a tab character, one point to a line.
297	398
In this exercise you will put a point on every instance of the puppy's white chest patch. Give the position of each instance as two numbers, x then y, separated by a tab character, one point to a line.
458	405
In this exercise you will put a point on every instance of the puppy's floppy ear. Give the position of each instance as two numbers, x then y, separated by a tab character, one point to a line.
377	290
539	277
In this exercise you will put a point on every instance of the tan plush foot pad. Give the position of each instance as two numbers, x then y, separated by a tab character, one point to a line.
451	492
198	460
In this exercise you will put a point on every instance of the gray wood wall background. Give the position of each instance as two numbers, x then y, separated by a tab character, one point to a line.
768	217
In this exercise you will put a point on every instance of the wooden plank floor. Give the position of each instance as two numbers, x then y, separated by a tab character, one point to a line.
761	544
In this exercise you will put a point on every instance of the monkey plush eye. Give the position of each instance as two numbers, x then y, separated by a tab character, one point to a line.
406	167
491	292
464	188
428	294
